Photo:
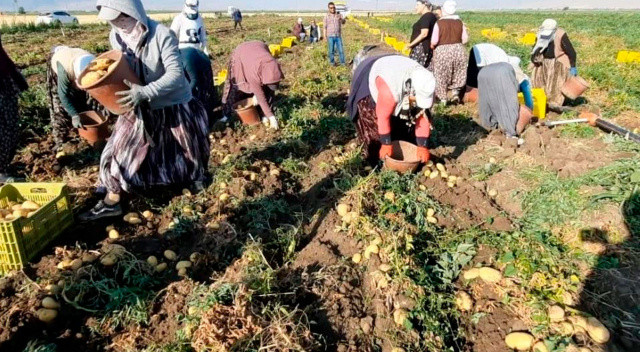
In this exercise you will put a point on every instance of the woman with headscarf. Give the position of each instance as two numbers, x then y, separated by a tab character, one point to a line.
498	99
66	99
420	43
554	59
163	139
449	56
390	100
253	71
299	31
188	26
485	54
11	84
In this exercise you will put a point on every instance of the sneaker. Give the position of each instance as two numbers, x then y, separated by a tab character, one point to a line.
101	210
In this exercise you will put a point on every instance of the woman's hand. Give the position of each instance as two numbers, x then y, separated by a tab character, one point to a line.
385	151
133	97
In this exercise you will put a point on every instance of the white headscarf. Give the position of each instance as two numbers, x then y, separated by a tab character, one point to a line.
449	9
191	8
129	29
546	34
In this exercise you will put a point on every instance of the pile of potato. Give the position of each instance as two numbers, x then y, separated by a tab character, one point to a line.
97	69
433	171
15	210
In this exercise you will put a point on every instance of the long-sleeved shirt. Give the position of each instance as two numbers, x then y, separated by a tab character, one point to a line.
386	83
251	68
333	24
190	33
298	28
566	46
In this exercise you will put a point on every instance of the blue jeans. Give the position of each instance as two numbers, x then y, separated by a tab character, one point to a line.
333	42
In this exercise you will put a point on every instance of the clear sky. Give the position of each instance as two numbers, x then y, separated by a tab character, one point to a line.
294	5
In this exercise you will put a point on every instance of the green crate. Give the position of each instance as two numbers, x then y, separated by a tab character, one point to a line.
23	238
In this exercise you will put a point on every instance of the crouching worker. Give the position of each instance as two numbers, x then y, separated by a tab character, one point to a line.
188	26
390	100
66	99
253	71
11	84
498	97
162	140
485	54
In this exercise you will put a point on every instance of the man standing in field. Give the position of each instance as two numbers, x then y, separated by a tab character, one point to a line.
237	19
333	32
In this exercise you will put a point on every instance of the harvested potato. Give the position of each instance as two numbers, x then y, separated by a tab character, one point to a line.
343	209
385	268
109	260
112	67
50	303
427	173
390	196
53	289
76	264
357	258
46	315
114	234
434	174
371	249
89	258
194	256
274	172
224	197
397	349
90	78
597	331
493	193
170	255
471	274
29	205
147	214
182	272
100	64
565	328
556	314
464	302
579	321
161	267
431	212
64	265
540	347
490	274
152	260
451	184
432	220
520	341
185	264
400	316
440	167
444	174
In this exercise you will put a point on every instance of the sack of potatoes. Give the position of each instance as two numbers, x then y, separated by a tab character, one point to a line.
97	69
15	210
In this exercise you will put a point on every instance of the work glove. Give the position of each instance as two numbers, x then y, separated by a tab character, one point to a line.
75	121
385	151
133	97
574	71
273	123
423	154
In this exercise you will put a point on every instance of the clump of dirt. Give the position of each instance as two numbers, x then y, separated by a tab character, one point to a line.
470	203
18	301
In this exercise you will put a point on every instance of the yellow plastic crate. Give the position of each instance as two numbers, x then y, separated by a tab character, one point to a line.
539	102
220	78
288	42
626	56
528	39
622	56
23	238
390	40
493	33
406	52
275	49
399	46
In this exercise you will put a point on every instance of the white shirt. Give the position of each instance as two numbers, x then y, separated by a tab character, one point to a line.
487	54
190	33
395	70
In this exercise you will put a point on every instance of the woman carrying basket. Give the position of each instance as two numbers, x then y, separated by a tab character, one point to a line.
162	139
